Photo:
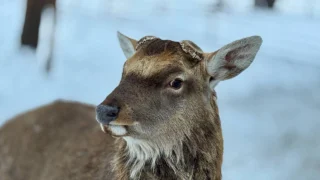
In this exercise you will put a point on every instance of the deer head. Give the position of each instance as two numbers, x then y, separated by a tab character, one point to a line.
165	102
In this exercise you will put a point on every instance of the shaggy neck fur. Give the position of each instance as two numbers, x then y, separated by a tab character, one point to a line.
197	156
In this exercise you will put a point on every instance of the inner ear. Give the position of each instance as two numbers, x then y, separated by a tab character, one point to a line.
128	45
232	59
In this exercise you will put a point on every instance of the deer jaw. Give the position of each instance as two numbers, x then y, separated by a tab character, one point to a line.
198	155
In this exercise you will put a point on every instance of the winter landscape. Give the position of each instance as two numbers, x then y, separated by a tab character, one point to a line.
270	113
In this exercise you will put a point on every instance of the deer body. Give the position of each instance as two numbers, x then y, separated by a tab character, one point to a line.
161	121
57	141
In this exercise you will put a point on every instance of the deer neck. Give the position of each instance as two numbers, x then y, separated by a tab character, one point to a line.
197	157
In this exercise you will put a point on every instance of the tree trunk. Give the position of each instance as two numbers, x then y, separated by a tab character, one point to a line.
264	3
30	32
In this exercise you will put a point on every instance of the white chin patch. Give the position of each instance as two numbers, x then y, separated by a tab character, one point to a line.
118	130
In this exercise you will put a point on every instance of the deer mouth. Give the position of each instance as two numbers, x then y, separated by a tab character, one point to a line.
114	130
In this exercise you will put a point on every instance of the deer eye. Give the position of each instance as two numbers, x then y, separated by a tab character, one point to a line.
176	84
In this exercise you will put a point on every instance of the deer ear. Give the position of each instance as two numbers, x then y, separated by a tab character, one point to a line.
231	59
127	44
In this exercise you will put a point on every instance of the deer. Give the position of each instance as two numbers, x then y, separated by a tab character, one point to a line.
160	122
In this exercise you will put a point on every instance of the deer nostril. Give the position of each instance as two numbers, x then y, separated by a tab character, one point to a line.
112	114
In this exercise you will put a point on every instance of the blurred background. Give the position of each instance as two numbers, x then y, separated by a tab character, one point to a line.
270	113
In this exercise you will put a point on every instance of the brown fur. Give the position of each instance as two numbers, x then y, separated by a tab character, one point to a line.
57	141
30	32
165	133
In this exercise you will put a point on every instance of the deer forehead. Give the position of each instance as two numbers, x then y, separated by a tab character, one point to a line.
149	66
155	55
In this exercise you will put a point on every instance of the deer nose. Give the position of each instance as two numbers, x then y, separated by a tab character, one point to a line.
106	113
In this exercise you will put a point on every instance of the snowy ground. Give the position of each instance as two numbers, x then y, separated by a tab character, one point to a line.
270	113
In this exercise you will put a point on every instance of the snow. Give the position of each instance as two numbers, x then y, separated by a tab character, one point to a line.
270	113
